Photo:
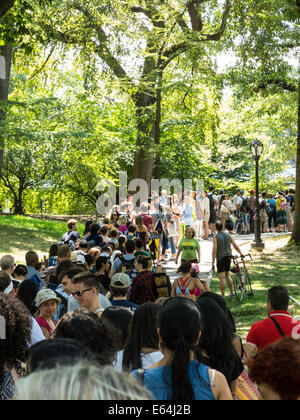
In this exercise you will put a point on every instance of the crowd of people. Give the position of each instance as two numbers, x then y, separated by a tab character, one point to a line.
100	318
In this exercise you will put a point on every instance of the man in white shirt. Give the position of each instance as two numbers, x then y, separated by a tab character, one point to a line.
238	201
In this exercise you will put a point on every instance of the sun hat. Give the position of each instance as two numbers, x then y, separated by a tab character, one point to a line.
44	295
120	280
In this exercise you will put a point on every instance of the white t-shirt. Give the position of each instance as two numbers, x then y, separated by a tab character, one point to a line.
148	360
36	333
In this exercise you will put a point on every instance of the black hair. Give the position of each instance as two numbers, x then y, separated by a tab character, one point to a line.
27	293
130	246
143	334
20	270
216	340
219	226
87	227
4	281
63	266
185	267
144	261
222	303
117	322
132	229
94	229
48	353
121	241
83	244
53	251
88	259
279	298
101	261
180	326
87	328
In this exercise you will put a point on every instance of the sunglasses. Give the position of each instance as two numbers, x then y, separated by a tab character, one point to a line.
80	292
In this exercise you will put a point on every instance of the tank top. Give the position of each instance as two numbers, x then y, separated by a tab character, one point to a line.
224	245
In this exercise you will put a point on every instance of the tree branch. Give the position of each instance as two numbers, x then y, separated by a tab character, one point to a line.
43	66
197	24
278	82
218	35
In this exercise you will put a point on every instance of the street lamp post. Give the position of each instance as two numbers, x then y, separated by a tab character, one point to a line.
257	149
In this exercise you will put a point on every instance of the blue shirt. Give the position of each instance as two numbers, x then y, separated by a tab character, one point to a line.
159	382
187	216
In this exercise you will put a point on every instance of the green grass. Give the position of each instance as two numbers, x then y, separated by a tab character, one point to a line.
282	268
19	234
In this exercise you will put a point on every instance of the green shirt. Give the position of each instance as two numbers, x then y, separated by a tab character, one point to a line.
189	248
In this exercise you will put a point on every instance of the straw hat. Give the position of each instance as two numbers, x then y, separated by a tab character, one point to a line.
44	295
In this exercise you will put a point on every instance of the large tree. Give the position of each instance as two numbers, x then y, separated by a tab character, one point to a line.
137	41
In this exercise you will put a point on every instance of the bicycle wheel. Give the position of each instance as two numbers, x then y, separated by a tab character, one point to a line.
247	285
238	289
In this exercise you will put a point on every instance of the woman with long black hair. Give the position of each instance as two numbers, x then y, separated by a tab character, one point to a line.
215	347
178	376
141	349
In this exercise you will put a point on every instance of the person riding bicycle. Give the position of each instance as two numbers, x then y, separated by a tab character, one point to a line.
222	252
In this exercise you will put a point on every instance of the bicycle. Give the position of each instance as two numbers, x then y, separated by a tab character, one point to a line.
241	282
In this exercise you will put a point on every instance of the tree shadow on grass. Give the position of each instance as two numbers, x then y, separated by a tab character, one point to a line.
15	239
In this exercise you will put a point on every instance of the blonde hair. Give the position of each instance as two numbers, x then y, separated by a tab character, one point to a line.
82	381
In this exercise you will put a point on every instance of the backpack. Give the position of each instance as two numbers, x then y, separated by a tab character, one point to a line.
162	284
270	211
211	203
245	205
283	205
153	248
67	240
263	205
159	226
128	267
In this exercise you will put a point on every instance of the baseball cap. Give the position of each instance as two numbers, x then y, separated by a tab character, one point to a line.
120	280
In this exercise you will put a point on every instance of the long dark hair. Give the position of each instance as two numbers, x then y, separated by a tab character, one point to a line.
180	326
27	293
143	334
221	302
216	339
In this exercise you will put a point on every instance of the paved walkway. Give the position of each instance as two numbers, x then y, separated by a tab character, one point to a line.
243	241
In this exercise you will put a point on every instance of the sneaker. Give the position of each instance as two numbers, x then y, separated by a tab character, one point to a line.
231	297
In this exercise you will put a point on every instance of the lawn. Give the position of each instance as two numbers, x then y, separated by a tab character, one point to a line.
281	267
20	234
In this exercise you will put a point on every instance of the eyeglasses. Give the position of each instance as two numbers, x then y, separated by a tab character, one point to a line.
80	292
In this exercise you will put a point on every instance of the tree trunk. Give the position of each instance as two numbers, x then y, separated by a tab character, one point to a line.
5	51
296	230
145	153
157	166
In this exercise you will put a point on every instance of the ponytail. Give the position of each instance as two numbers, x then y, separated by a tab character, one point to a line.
182	389
180	326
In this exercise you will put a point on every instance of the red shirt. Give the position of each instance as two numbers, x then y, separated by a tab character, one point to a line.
143	290
265	332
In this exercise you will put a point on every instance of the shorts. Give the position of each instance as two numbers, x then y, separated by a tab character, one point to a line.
213	218
224	265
